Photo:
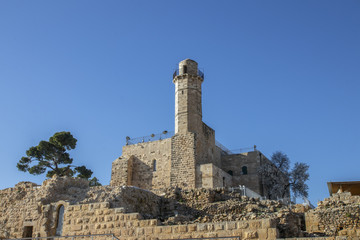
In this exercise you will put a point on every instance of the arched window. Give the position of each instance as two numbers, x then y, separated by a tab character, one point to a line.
154	165
230	172
244	170
59	220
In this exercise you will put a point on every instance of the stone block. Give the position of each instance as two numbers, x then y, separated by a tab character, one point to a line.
268	223
210	235
202	227
192	228
140	231
219	226
149	230
99	212
154	222
107	212
157	230
272	233
263	233
210	227
230	225
104	205
119	210
250	234
237	233
243	225
166	230
224	233
144	223
255	225
76	228
182	228
77	207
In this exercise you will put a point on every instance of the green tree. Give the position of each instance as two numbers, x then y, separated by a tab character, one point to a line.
279	179
52	157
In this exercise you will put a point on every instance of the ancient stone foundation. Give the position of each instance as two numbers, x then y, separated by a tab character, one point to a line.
338	215
29	210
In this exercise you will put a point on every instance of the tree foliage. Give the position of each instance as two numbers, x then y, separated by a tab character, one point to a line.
279	179
52	157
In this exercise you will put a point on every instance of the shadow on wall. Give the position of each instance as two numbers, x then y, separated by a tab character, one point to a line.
142	174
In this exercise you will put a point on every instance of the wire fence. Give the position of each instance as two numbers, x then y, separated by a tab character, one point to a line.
226	151
149	138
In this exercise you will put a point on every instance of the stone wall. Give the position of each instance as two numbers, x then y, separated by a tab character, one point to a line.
100	219
183	160
105	209
338	215
28	206
234	163
212	176
136	165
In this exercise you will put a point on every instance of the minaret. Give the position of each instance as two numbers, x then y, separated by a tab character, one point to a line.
188	113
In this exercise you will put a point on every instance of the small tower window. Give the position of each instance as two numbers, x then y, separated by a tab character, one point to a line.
223	181
185	69
230	172
154	165
244	170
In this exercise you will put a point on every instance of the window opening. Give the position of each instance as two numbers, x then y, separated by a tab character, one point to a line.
28	232
244	170
60	220
154	165
185	69
230	172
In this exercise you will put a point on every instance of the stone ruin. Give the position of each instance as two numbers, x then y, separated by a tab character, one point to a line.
143	200
29	210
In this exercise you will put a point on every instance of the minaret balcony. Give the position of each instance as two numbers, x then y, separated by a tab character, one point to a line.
199	73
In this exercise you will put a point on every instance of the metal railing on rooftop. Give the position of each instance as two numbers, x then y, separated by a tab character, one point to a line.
226	151
149	138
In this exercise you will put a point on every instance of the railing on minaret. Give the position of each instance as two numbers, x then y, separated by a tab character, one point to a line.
199	73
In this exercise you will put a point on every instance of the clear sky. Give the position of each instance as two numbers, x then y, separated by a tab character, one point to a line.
283	75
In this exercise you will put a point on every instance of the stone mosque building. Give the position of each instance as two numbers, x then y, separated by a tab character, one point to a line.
68	208
191	158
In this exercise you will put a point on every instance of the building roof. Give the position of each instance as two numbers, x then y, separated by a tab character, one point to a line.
347	186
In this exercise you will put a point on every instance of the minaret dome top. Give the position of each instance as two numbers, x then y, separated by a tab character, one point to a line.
188	66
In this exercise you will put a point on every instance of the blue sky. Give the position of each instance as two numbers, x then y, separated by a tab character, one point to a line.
283	75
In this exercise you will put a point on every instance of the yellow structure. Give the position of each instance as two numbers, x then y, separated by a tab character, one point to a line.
338	187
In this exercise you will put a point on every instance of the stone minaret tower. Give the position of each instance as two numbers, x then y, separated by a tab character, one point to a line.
188	113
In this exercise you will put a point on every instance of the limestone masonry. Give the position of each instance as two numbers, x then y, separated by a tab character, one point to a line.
191	158
174	188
